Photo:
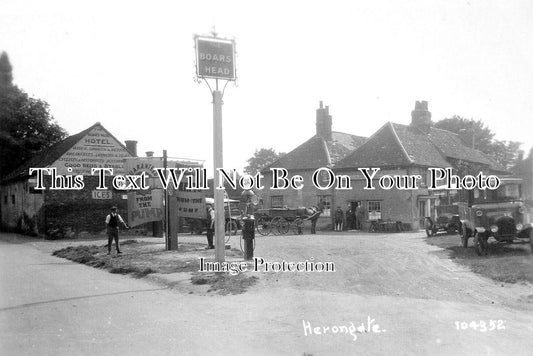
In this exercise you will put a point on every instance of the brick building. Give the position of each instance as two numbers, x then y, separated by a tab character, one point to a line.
408	150
324	149
48	211
395	149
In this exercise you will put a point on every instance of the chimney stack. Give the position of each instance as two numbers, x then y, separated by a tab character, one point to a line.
149	153
131	146
421	117
323	122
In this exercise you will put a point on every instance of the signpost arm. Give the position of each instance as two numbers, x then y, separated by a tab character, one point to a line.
218	163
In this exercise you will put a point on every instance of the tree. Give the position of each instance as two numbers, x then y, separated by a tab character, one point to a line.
6	70
475	134
26	125
261	158
524	170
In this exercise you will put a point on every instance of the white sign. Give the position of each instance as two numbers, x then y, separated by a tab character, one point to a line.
102	194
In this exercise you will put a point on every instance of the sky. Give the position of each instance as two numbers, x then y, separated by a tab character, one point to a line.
130	65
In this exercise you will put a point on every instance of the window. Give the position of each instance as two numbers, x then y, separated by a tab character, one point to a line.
374	209
32	190
12	199
276	201
326	200
5	199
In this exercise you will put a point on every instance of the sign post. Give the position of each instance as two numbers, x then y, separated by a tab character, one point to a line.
215	59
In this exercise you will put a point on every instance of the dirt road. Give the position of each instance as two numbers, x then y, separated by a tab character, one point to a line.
51	306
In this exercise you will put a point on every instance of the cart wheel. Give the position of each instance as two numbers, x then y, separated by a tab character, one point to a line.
263	226
283	226
464	236
275	225
430	229
481	244
297	226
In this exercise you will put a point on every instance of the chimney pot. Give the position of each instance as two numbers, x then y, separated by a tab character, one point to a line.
323	122
131	145
421	117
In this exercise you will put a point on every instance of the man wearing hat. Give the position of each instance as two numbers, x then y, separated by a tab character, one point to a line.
210	215
112	220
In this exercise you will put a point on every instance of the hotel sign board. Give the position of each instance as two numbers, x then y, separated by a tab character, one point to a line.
215	58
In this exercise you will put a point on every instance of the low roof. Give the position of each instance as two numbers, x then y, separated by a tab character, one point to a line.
51	154
317	152
395	145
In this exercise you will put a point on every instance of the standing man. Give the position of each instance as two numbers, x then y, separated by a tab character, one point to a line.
112	220
360	215
350	217
210	212
339	219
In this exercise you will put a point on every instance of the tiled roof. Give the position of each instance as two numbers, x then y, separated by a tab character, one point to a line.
51	154
396	145
451	145
317	152
419	147
342	144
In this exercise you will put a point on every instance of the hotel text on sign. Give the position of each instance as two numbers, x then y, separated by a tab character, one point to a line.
215	58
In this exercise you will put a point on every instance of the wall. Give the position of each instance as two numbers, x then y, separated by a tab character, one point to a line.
306	197
396	205
79	210
25	202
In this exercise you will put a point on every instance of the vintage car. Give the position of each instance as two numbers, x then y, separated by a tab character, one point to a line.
504	216
447	220
503	221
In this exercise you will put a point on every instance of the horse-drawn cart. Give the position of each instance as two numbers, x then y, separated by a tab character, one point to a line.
280	221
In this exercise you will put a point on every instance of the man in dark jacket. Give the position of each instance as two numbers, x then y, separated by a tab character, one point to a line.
210	212
112	221
339	219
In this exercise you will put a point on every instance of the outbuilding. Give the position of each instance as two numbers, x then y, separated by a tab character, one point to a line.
66	212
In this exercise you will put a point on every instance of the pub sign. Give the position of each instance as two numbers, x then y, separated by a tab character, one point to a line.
215	58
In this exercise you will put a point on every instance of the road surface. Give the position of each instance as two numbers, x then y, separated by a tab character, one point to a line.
50	306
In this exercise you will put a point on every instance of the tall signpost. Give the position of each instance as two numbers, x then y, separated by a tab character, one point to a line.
215	59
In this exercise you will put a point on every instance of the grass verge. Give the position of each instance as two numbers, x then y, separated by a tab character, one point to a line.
508	263
140	259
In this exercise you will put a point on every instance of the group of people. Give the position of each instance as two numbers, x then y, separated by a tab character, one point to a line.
349	220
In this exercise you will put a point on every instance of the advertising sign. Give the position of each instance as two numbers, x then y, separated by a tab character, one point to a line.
145	205
191	203
102	194
148	205
95	150
215	58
